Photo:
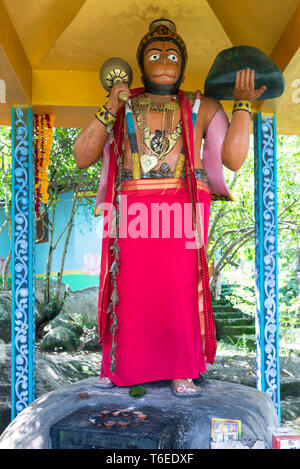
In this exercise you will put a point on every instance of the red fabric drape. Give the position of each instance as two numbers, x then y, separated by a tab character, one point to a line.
209	344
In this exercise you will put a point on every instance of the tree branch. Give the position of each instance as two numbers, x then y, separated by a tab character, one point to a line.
295	202
211	253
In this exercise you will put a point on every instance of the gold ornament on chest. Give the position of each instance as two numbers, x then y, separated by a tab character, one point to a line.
163	140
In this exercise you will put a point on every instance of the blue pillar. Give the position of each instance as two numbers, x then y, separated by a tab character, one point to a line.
266	261
22	266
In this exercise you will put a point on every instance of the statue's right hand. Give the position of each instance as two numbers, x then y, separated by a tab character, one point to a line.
114	103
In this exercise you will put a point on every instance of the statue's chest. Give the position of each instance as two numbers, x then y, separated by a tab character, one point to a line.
157	131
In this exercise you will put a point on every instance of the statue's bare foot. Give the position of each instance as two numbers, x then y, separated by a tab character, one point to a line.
104	383
184	388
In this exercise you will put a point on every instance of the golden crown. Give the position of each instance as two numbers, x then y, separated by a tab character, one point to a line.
161	29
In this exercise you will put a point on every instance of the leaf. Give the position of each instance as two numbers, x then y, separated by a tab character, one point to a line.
137	391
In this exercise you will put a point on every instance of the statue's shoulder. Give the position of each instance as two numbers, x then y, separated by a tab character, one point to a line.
207	101
191	96
210	105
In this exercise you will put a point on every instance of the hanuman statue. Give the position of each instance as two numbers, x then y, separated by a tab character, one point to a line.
155	311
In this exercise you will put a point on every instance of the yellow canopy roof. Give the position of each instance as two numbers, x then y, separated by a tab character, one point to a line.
51	51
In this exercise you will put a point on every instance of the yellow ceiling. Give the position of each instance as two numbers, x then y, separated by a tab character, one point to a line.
51	50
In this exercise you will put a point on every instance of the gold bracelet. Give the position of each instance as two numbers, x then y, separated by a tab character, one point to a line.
106	117
242	105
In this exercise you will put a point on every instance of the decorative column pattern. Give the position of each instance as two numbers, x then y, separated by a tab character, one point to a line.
22	267
266	262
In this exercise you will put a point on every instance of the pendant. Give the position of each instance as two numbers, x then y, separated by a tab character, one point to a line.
148	162
164	169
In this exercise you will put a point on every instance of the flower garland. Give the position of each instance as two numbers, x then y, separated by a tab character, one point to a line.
43	125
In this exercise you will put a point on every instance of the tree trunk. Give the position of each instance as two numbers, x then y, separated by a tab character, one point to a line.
230	251
3	225
298	262
6	269
221	211
49	260
74	208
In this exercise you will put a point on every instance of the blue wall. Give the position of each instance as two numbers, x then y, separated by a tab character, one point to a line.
82	263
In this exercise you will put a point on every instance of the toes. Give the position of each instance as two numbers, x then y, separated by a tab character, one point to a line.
186	387
181	388
104	380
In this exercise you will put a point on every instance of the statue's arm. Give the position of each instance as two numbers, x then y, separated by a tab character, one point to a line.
90	142
236	142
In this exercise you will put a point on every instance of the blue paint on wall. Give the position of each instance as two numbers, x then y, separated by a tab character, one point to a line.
82	263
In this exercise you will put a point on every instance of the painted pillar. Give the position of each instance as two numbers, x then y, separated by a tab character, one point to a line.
266	262
22	266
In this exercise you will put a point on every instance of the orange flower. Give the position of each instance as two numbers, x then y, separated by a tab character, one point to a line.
43	130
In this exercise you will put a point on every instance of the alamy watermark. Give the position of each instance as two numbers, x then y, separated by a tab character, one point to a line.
155	220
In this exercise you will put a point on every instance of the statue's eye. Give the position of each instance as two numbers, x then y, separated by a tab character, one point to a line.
154	57
173	57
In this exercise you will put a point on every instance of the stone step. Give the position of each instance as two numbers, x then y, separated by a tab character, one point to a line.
238	331
230	315
227	307
289	387
234	321
228	311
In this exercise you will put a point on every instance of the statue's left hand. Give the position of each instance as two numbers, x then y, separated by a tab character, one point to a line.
244	86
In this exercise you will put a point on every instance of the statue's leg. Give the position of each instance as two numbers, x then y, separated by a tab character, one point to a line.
186	387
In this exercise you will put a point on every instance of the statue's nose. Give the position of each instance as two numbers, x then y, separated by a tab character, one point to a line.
164	59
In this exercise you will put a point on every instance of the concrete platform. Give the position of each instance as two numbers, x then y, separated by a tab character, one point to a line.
184	423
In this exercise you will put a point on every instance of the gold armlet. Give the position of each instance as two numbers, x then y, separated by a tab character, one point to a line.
106	117
242	105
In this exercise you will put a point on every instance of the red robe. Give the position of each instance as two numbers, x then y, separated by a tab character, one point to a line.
165	323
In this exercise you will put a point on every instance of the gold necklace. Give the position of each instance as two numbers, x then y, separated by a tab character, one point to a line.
159	144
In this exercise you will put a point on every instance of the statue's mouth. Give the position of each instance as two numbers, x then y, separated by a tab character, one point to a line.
161	83
163	77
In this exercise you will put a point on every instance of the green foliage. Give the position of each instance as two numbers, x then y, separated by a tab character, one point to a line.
55	306
4	284
234	220
5	163
235	226
241	343
137	391
82	321
63	174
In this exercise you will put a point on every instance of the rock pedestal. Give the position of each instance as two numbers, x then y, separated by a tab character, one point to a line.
60	419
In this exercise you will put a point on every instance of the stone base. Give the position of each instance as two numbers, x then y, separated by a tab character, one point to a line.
60	419
159	430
